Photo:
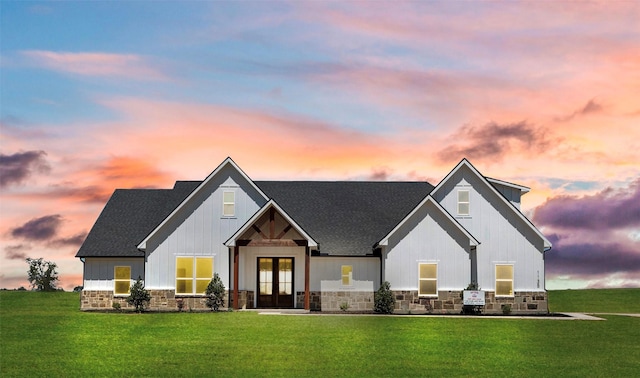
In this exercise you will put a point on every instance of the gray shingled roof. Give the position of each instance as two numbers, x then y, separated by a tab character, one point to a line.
129	216
344	217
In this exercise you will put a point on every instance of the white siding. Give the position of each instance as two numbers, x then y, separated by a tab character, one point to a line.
327	271
510	193
504	237
429	237
98	271
200	229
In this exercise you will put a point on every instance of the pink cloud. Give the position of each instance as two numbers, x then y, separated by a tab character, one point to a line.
96	64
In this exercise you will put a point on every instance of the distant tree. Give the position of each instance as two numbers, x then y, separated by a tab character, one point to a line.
42	274
215	293
77	289
138	296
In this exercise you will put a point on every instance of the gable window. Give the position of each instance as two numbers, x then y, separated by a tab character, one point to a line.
228	203
347	275
504	280
428	279
193	274
463	202
121	280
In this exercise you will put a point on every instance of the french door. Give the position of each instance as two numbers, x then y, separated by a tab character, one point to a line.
275	282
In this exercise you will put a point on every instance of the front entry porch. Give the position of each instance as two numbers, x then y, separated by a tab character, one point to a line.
271	258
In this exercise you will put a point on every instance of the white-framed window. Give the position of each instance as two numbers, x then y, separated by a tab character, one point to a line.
463	202
427	279
121	280
504	280
228	203
193	274
347	275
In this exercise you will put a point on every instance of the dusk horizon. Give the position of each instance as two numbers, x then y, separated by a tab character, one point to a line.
103	96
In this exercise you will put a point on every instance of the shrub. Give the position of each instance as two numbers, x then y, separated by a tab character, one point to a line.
138	296
215	293
116	306
506	309
384	302
180	304
344	306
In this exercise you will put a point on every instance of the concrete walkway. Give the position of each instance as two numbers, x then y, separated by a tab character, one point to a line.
567	315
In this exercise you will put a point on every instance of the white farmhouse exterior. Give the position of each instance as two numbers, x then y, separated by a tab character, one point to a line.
318	245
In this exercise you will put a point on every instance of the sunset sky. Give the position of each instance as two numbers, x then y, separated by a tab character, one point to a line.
103	95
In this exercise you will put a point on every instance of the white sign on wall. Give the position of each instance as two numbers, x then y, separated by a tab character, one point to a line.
473	298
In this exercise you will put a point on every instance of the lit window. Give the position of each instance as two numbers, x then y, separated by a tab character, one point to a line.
504	280
428	284
193	274
463	202
347	275
122	280
228	204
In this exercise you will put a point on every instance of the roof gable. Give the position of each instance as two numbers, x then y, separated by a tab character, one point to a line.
464	163
429	200
231	242
228	162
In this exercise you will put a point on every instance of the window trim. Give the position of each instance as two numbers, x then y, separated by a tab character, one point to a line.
194	279
427	279
512	280
225	203
467	202
116	280
348	276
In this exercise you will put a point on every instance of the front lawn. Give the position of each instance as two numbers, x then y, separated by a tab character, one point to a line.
44	334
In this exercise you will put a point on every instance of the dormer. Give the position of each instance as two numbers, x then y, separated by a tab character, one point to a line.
509	190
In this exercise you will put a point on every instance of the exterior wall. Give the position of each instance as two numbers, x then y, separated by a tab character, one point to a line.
510	193
200	229
353	300
326	270
429	237
450	302
504	237
315	303
98	271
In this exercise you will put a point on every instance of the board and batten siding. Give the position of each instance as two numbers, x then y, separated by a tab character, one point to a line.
199	228
428	237
365	273
512	194
99	271
504	237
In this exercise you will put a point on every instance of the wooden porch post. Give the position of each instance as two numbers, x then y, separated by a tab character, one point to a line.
307	261
236	263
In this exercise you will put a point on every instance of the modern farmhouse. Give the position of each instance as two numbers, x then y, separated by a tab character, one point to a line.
318	245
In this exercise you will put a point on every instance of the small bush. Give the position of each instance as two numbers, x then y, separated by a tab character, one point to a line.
344	306
506	309
138	296
384	301
215	293
180	304
116	306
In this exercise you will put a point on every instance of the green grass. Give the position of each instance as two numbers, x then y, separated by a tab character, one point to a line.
594	301
44	334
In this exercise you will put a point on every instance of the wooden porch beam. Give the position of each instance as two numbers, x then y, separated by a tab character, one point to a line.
286	229
272	223
259	231
236	263
307	263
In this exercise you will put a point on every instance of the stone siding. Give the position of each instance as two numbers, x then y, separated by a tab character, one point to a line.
314	300
450	302
355	300
161	300
245	299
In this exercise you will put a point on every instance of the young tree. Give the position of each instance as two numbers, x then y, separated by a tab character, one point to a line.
383	299
215	293
138	296
42	274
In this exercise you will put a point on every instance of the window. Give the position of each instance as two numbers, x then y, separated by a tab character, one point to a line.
228	203
463	202
428	284
193	274
347	275
504	280
122	280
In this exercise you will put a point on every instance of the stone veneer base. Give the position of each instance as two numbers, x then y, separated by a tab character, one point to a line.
450	302
352	300
161	300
